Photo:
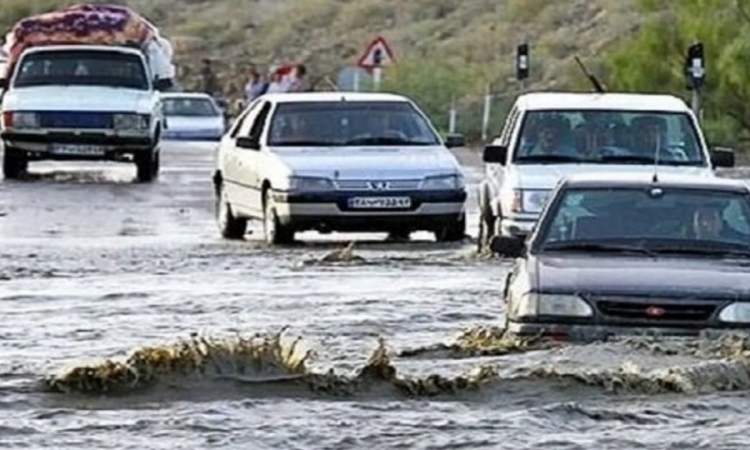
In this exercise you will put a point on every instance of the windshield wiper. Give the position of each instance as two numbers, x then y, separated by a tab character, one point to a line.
709	251
304	144
549	159
632	159
381	140
592	247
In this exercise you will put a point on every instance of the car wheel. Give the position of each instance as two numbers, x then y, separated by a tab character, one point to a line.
486	227
230	227
453	232
147	166
274	232
14	164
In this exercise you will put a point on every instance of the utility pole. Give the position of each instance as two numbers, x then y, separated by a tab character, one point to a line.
695	70
523	64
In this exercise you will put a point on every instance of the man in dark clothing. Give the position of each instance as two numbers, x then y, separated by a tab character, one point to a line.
209	82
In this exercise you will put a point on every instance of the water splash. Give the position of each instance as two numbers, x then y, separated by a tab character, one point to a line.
482	341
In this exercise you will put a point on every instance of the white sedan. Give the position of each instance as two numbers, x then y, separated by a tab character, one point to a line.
193	116
338	162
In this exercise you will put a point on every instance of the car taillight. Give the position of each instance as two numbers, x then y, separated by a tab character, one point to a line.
8	119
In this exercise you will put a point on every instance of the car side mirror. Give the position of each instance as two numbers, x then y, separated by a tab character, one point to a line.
248	143
510	247
722	157
495	154
3	83
455	140
163	84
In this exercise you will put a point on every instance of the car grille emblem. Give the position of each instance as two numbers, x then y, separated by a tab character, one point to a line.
379	185
655	311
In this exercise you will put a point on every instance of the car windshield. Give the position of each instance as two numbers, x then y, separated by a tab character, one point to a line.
82	68
650	219
609	137
190	107
352	123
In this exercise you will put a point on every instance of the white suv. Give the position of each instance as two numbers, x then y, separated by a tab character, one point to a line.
338	162
548	136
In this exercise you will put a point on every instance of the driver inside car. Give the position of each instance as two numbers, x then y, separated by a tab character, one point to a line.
709	225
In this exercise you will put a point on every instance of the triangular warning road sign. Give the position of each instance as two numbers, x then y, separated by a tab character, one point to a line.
378	54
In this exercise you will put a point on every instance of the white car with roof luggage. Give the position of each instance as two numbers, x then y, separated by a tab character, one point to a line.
549	136
338	162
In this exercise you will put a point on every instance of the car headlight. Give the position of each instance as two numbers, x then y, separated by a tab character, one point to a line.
443	183
20	120
533	305
131	122
312	184
530	201
736	313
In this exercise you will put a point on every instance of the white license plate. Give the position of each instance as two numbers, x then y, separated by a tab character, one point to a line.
77	150
380	202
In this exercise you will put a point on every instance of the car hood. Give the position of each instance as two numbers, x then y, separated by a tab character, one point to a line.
181	123
646	276
77	98
368	162
546	176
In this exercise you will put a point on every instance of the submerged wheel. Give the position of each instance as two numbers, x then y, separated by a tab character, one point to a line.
230	227
14	164
147	166
274	232
453	232
486	227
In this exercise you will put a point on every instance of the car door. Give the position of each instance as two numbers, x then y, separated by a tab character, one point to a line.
496	173
253	162
236	179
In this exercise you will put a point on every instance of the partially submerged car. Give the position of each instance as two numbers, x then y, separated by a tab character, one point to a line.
338	162
192	116
624	254
548	136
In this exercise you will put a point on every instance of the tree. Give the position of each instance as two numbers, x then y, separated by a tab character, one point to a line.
654	60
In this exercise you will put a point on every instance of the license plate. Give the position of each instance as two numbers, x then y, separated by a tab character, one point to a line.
77	150
380	202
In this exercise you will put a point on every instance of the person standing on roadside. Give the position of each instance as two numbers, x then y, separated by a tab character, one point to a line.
276	85
255	86
299	81
209	82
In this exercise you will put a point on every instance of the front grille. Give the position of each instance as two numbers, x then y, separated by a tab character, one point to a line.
378	185
76	120
658	310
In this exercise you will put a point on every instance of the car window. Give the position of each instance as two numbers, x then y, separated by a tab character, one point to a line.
350	123
190	107
609	137
650	215
256	131
242	126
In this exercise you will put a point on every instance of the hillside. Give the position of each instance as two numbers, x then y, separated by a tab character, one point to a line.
447	49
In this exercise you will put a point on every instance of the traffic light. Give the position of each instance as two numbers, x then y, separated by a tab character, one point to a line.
695	66
522	62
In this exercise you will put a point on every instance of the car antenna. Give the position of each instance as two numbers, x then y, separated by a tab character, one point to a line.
655	180
592	78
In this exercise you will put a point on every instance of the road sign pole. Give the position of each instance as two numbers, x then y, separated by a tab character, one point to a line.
452	117
696	103
356	81
377	76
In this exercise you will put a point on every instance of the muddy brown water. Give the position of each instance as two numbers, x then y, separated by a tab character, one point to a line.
94	267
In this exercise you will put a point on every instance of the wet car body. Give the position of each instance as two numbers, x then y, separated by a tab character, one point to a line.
193	117
628	289
338	162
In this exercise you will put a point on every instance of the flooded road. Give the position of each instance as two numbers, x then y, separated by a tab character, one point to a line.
95	267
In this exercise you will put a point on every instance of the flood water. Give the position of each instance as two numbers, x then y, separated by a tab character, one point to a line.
95	267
